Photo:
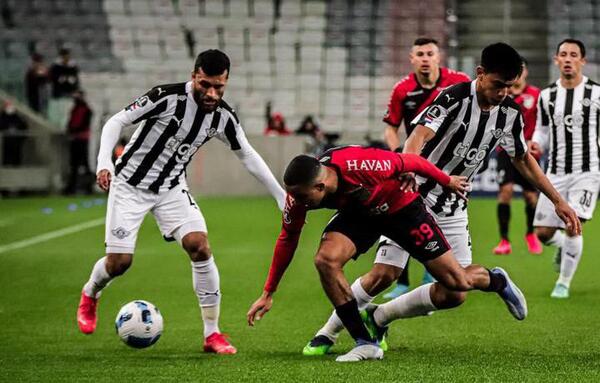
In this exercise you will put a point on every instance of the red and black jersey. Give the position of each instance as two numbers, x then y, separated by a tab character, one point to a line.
528	100
409	98
368	182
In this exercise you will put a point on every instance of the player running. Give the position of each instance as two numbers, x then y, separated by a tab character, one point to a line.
568	125
527	97
409	97
176	120
456	133
363	184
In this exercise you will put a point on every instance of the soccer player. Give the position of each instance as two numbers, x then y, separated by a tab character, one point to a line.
409	97
526	96
456	133
568	125
176	120
363	184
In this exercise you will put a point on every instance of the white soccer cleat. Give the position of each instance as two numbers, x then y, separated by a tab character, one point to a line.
362	352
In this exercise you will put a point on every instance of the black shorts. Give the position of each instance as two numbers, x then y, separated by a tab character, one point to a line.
507	173
412	227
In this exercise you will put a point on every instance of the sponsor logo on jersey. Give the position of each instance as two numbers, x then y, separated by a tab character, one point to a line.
372	165
381	209
587	102
432	246
498	133
528	101
139	102
416	92
120	232
410	104
473	156
570	120
435	113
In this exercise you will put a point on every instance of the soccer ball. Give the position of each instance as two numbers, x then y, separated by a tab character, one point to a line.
139	324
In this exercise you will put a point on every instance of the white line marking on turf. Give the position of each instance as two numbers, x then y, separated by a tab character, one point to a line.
51	235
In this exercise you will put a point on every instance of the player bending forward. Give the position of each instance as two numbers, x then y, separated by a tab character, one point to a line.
177	119
364	186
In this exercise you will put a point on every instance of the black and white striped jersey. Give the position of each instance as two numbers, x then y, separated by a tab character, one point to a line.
567	124
172	129
464	137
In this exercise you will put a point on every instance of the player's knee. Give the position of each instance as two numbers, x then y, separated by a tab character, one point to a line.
544	234
117	264
452	299
326	261
380	277
197	247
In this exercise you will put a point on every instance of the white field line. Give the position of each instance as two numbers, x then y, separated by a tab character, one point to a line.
51	235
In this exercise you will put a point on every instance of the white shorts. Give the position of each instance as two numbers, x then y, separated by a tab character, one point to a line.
456	231
581	192
175	212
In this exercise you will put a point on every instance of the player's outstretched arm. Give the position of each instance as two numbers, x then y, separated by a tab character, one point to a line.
260	307
417	139
529	168
111	131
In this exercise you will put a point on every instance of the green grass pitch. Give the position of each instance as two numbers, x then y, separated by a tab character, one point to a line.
480	341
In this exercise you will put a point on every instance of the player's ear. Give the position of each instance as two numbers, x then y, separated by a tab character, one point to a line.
479	71
320	186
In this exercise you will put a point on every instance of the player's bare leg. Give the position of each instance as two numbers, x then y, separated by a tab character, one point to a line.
334	252
205	279
107	268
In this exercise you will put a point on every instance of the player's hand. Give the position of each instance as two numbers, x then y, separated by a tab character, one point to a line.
569	217
460	186
103	179
535	149
408	182
260	308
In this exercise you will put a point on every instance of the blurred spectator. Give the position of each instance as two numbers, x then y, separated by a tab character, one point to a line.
64	76
12	131
79	132
7	16
35	83
276	126
310	128
190	41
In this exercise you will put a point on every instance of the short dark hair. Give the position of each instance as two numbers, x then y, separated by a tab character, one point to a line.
502	59
213	62
302	170
572	41
424	41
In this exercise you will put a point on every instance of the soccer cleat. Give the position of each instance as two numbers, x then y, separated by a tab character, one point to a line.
427	278
534	246
365	351
86	314
377	332
560	291
218	343
397	291
557	259
318	346
512	296
503	247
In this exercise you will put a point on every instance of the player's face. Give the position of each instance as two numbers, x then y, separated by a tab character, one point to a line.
569	60
520	83
425	59
307	195
208	90
492	87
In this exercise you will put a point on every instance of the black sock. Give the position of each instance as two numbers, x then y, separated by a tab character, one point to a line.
497	282
530	214
350	317
503	219
403	278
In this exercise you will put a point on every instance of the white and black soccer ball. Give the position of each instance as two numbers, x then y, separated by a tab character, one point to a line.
139	324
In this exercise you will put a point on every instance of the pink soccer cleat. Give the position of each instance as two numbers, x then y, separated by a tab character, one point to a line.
218	343
534	246
86	314
503	248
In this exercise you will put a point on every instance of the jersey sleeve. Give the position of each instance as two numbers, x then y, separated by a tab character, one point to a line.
435	114
146	106
393	115
294	216
542	126
514	141
422	167
233	135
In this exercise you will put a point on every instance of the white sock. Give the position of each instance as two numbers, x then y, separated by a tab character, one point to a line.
99	279
571	254
414	303
334	326
558	239
205	277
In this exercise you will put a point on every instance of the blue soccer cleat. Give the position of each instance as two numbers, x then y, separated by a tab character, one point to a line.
512	296
397	291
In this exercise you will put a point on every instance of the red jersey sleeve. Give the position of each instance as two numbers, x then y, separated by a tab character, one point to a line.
393	115
294	216
419	165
